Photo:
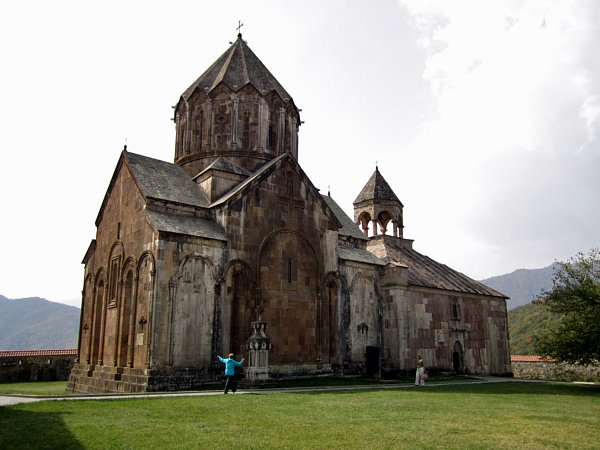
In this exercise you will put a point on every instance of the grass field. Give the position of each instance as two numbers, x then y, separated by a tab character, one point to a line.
34	388
477	416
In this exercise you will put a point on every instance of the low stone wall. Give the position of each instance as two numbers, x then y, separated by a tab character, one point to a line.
36	365
554	371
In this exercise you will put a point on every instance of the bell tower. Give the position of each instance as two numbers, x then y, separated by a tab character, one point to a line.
379	206
236	110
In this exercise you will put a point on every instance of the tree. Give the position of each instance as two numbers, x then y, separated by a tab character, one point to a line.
575	297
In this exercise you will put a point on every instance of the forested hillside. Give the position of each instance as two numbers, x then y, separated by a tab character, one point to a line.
525	324
37	324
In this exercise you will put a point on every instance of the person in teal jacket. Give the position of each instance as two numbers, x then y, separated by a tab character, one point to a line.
230	365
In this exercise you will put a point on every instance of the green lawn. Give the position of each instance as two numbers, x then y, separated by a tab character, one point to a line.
507	415
34	388
54	388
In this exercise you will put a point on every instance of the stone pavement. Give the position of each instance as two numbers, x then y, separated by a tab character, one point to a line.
14	399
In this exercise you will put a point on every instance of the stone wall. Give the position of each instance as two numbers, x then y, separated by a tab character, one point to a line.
554	371
36	365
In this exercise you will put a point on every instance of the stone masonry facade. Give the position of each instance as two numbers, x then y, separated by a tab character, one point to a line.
190	256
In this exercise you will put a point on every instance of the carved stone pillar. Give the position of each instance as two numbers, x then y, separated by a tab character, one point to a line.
258	346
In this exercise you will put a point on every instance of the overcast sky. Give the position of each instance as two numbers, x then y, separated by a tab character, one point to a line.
484	117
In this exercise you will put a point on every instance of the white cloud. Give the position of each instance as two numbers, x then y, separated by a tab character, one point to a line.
517	87
590	113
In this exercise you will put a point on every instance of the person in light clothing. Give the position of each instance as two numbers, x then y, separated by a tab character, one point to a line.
230	365
419	381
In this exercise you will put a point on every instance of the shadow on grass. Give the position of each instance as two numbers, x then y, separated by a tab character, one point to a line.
26	429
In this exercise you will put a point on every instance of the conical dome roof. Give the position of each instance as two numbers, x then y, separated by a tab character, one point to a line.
237	110
376	189
236	68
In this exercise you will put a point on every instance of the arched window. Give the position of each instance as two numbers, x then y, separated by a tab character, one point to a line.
455	310
271	138
114	276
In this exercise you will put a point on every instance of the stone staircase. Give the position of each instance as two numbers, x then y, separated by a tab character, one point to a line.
93	379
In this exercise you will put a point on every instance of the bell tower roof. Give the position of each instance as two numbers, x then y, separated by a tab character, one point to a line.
377	189
236	68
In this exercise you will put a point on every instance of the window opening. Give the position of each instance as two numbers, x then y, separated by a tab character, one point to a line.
270	138
455	311
114	274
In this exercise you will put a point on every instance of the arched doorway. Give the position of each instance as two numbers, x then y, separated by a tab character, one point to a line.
457	358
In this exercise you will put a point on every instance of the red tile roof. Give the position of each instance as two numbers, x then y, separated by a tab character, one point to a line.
17	353
529	358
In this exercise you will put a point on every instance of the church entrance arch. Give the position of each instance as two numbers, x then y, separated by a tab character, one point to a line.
289	287
372	362
457	358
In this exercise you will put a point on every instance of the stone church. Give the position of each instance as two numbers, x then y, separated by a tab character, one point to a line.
231	248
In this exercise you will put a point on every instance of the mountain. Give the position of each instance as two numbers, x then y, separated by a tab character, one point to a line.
37	324
523	285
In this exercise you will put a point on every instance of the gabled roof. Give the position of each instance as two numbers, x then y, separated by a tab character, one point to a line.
265	171
164	181
158	180
256	175
186	225
377	189
346	250
224	165
350	253
424	271
349	228
236	68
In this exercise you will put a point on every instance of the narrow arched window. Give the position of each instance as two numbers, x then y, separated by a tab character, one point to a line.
246	130
270	138
455	311
114	275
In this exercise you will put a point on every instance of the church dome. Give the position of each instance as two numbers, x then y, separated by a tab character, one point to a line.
236	109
